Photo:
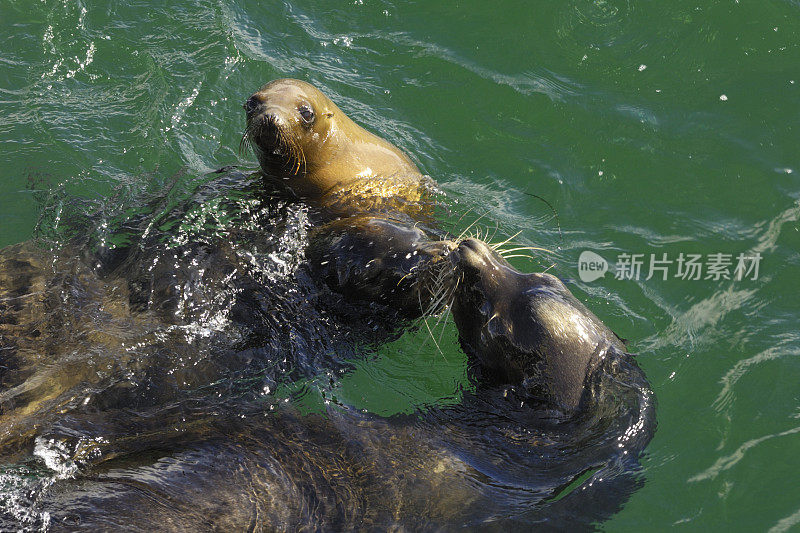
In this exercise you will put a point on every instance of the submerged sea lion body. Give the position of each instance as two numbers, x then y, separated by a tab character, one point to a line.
341	470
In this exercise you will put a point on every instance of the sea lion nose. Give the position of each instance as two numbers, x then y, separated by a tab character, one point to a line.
466	252
254	103
475	253
273	119
471	244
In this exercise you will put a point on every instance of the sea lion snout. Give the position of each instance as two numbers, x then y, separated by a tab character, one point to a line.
472	252
264	115
475	255
254	104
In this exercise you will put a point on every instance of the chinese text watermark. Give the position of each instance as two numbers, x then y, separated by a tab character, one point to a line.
684	266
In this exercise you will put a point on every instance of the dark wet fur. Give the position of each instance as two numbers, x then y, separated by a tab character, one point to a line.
182	430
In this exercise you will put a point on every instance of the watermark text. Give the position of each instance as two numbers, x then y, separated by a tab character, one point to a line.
684	266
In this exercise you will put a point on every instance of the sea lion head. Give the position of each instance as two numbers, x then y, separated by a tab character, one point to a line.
288	122
388	259
525	329
302	138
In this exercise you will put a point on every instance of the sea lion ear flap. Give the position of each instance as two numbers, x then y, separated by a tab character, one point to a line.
328	114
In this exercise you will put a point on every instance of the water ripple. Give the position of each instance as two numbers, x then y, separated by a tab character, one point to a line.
728	461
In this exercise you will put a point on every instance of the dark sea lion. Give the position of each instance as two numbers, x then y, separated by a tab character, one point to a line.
303	139
488	463
528	329
171	315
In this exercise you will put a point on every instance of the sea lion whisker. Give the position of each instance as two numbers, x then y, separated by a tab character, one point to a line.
445	285
426	311
299	156
446	272
436	299
433	338
553	209
295	156
489	238
286	144
404	277
548	268
526	256
441	285
461	235
498	245
468	211
443	321
436	304
246	143
444	316
444	298
518	248
440	292
495	315
425	321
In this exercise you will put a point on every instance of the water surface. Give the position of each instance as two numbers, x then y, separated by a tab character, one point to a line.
650	128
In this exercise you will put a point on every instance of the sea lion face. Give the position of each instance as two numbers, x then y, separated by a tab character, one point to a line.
288	122
303	139
525	329
381	258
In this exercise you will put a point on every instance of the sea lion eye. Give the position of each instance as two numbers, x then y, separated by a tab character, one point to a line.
306	113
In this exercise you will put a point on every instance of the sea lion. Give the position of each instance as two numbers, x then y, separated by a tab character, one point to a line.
528	329
485	464
303	139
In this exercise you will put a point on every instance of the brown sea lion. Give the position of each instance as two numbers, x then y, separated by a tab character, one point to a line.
303	139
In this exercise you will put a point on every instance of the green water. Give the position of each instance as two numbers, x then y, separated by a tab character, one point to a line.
651	127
